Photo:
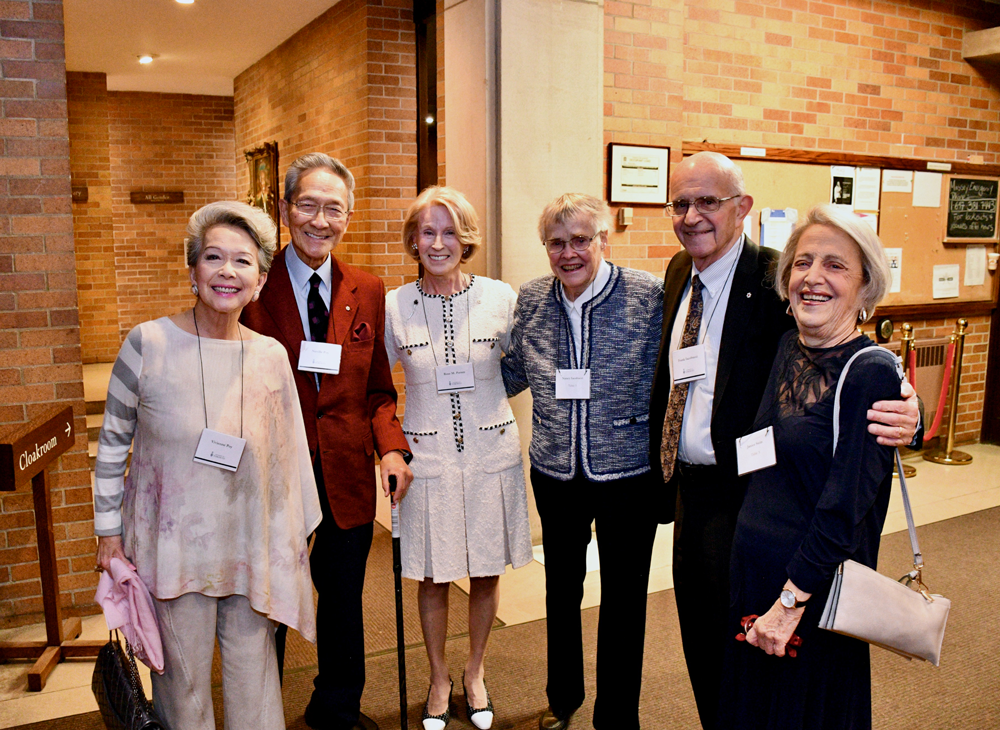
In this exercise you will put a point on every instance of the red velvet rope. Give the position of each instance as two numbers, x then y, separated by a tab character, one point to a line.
912	365
945	383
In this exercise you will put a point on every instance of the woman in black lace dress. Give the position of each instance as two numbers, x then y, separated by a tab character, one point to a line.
811	510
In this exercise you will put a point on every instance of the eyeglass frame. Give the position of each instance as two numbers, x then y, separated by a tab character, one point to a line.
670	207
343	213
562	247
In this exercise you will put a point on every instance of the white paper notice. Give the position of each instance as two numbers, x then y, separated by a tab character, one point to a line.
946	281
975	265
895	256
776	226
897	181
842	186
871	219
866	185
927	190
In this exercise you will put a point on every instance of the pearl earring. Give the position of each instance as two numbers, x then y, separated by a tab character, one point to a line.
254	297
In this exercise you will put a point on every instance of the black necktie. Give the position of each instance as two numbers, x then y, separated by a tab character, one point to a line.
319	315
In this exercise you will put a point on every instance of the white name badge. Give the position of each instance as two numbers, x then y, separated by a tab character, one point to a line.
319	357
455	378
688	364
573	384
755	452
219	449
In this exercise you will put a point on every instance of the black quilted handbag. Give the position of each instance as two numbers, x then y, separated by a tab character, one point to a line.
118	690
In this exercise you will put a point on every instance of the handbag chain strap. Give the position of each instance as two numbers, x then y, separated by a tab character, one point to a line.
138	694
915	575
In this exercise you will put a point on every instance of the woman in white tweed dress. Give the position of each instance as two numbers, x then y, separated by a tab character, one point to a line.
466	513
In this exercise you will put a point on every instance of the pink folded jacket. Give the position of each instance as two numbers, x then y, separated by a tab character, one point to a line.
128	606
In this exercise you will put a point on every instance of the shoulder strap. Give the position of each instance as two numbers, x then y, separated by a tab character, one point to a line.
875	350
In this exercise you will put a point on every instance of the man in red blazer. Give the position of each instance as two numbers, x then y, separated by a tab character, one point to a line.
336	314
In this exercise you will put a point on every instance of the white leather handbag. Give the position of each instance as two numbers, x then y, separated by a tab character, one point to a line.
902	616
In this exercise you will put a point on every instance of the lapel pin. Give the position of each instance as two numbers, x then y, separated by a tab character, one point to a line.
349	306
748	295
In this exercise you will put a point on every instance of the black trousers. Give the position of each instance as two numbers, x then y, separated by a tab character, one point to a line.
337	563
704	525
625	540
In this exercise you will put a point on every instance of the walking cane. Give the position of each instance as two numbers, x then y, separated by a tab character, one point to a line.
397	572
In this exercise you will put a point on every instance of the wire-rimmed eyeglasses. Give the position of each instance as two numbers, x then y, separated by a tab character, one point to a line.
704	204
577	243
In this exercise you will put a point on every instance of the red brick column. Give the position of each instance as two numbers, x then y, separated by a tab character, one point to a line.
39	331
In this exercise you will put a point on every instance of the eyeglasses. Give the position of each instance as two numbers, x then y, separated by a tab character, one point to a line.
311	210
706	204
577	243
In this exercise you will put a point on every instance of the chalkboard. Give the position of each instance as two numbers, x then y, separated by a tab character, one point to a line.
972	209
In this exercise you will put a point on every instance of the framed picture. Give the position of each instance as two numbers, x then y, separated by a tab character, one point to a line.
263	167
638	175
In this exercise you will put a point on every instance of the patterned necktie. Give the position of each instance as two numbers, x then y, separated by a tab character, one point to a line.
678	395
319	315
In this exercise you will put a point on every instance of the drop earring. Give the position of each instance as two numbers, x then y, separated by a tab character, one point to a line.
194	289
254	297
863	315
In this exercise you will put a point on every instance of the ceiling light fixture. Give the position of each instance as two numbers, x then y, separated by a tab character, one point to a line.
186	2
429	119
146	58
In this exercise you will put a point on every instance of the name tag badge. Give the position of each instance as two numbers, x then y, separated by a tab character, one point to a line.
319	357
455	378
573	384
755	452
220	450
688	364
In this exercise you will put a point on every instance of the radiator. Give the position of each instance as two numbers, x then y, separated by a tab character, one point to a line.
931	355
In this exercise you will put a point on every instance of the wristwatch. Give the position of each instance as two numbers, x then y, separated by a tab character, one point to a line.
788	600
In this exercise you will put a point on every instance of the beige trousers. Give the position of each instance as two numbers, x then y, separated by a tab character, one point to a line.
251	691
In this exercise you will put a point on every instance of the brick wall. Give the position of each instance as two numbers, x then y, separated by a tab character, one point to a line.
162	142
354	99
39	331
875	78
93	222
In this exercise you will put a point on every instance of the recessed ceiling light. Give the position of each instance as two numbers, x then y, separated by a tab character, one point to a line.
146	58
429	119
186	2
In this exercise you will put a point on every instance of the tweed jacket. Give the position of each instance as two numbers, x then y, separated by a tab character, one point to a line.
620	334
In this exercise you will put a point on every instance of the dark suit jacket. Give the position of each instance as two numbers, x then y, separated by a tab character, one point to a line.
354	413
755	320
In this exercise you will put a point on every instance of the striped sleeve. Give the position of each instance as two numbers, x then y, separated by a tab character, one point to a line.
116	436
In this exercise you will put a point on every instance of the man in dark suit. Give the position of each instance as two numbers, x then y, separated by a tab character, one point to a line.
336	313
736	319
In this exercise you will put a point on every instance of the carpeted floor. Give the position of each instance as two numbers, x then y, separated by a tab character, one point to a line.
961	556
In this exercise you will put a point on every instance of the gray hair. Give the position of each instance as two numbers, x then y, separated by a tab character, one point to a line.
313	161
874	264
253	221
570	206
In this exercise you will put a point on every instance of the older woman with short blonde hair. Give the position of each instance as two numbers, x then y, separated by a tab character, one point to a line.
466	512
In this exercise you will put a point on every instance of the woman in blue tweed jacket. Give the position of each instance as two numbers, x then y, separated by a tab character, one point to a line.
585	342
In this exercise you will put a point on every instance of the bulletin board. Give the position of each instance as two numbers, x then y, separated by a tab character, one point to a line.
920	232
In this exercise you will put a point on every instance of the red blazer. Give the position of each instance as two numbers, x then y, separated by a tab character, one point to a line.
353	414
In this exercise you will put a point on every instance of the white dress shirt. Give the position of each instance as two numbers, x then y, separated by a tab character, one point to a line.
300	273
574	309
717	280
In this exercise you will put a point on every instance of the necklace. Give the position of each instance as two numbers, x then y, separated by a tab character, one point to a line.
201	367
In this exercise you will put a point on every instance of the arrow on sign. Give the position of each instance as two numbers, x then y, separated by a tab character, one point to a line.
68	429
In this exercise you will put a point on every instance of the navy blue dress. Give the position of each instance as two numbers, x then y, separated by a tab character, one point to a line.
801	518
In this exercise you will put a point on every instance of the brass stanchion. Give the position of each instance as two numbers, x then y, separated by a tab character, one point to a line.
949	455
906	346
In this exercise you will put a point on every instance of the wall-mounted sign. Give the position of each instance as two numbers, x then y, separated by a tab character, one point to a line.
638	175
972	209
27	448
169	196
80	194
